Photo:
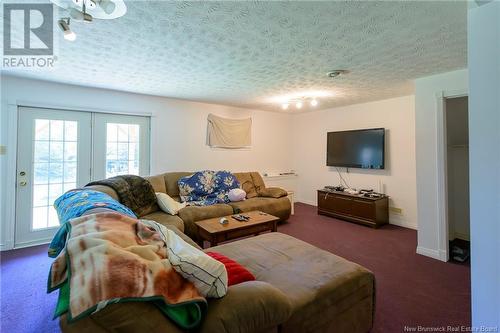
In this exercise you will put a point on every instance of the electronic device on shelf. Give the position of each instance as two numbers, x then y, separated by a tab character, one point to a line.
334	188
351	191
373	195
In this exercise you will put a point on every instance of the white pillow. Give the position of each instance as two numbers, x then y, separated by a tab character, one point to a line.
167	204
208	275
237	194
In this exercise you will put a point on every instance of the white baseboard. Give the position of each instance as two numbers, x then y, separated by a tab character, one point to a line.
435	254
307	202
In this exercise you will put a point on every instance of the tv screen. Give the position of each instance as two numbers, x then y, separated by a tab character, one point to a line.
356	149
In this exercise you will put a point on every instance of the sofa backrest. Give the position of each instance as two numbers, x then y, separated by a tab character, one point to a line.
251	182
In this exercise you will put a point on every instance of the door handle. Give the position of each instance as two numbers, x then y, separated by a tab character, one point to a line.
23	183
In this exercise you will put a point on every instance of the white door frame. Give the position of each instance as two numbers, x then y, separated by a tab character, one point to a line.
442	174
7	225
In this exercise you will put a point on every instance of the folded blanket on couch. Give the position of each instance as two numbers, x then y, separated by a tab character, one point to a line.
112	258
134	192
207	187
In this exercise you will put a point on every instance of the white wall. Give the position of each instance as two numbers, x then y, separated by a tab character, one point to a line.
397	116
178	133
484	143
426	115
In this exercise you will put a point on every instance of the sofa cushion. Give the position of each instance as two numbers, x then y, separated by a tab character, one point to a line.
247	308
322	287
171	179
165	219
158	183
191	214
273	192
246	181
278	207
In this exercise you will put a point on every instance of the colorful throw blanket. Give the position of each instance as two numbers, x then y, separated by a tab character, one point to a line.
207	187
76	203
134	192
112	258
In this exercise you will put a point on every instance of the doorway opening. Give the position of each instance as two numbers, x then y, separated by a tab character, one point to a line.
456	118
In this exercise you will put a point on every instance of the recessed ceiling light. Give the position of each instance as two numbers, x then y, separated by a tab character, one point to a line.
337	72
298	105
284	106
314	102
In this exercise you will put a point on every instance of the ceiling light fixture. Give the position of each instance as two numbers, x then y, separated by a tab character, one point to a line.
284	106
337	72
87	10
64	25
298	104
314	102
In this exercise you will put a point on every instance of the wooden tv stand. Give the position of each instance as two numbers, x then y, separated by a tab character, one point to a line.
373	212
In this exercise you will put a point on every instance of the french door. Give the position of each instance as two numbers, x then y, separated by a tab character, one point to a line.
54	155
59	150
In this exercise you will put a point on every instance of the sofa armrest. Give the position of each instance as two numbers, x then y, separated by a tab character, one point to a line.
273	192
253	306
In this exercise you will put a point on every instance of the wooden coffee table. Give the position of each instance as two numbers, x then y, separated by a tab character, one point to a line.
214	232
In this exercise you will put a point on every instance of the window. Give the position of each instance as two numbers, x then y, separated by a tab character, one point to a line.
122	149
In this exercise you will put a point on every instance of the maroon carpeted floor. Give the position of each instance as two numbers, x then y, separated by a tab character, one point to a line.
412	290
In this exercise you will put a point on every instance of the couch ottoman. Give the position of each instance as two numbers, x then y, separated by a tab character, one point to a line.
327	293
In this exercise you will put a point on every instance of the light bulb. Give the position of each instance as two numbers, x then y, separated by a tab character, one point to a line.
69	35
314	102
284	106
298	105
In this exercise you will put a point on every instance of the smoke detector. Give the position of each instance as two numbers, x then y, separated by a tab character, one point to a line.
337	72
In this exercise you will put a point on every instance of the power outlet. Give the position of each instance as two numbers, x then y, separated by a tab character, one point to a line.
396	210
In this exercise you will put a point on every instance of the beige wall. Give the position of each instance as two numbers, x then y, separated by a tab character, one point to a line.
397	116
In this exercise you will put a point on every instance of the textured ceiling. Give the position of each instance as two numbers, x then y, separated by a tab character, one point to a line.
248	53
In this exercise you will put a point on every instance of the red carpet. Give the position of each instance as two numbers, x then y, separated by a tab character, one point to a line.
412	290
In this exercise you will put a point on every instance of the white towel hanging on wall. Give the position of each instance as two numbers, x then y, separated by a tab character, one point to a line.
229	133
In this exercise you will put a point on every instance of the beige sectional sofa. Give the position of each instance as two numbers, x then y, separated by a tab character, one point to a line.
299	288
258	198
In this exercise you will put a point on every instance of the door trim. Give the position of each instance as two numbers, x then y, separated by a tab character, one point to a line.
442	177
10	180
22	103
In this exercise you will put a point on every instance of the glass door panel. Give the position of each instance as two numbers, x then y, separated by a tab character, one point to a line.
121	145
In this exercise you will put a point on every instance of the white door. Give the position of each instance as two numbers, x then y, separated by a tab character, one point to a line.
53	157
121	145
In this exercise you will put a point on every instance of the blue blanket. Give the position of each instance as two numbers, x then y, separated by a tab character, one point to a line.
75	203
207	187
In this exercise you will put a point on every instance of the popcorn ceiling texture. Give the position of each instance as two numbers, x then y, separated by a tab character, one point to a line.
245	53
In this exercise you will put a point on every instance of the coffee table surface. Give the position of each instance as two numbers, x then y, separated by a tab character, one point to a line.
213	226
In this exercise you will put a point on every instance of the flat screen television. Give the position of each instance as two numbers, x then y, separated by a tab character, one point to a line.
356	148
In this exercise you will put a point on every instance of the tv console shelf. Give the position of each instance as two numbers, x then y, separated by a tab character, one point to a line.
372	212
